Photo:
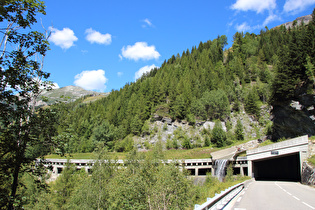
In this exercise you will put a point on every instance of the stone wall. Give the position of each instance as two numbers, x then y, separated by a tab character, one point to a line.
308	174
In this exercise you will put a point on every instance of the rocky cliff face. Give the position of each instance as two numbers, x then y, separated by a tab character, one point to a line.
308	174
294	118
166	129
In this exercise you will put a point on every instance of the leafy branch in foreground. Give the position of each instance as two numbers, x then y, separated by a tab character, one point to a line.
25	133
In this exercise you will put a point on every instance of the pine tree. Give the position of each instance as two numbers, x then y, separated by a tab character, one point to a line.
218	135
252	103
239	130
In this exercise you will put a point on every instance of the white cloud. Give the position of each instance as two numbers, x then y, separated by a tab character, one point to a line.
84	52
55	86
119	74
243	27
147	23
272	17
255	5
295	6
96	37
64	38
91	80
43	84
144	70
140	50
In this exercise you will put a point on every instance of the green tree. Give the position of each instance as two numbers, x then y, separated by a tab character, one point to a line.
239	130
216	104
186	143
252	103
136	125
207	141
147	183
310	69
218	136
64	186
93	192
104	134
179	107
21	80
229	173
34	189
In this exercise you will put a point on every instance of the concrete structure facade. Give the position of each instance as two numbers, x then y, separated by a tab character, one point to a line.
278	156
196	167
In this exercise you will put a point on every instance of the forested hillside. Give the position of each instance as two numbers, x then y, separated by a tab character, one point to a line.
207	82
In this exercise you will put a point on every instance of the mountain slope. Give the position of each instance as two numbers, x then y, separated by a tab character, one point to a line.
65	94
298	21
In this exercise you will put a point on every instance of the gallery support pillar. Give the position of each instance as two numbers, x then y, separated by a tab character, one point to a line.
250	169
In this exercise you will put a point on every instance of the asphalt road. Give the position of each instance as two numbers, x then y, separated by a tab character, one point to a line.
262	195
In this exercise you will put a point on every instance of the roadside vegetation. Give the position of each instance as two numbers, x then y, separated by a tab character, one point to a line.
145	183
311	160
213	186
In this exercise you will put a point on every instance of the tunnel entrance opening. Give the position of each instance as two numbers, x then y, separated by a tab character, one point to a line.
283	168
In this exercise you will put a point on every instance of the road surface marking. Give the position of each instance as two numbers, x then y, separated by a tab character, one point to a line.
289	193
296	198
239	199
308	205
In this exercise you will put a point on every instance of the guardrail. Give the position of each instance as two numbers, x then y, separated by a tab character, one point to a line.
219	201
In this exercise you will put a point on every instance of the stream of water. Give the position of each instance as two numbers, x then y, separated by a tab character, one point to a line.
220	168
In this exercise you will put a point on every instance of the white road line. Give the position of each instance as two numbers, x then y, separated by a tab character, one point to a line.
296	198
308	205
239	199
278	185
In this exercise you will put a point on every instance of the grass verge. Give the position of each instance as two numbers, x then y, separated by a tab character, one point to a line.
213	186
311	160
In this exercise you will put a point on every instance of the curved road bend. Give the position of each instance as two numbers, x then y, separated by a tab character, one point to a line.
261	195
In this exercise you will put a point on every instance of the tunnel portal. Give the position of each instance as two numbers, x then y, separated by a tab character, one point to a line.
279	161
281	168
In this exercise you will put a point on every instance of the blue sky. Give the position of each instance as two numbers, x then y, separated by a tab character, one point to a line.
101	45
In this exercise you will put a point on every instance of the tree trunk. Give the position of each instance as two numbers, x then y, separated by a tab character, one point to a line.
15	183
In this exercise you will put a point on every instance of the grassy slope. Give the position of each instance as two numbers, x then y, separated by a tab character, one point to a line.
197	153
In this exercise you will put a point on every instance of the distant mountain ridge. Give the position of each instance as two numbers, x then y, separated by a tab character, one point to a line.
65	94
305	19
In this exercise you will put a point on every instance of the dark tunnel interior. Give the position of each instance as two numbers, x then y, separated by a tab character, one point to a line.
284	168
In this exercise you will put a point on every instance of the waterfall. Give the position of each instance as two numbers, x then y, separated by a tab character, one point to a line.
220	168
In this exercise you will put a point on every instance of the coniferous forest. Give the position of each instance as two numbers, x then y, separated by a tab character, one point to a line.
205	83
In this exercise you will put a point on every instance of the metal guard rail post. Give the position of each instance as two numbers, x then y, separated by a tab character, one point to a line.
220	200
